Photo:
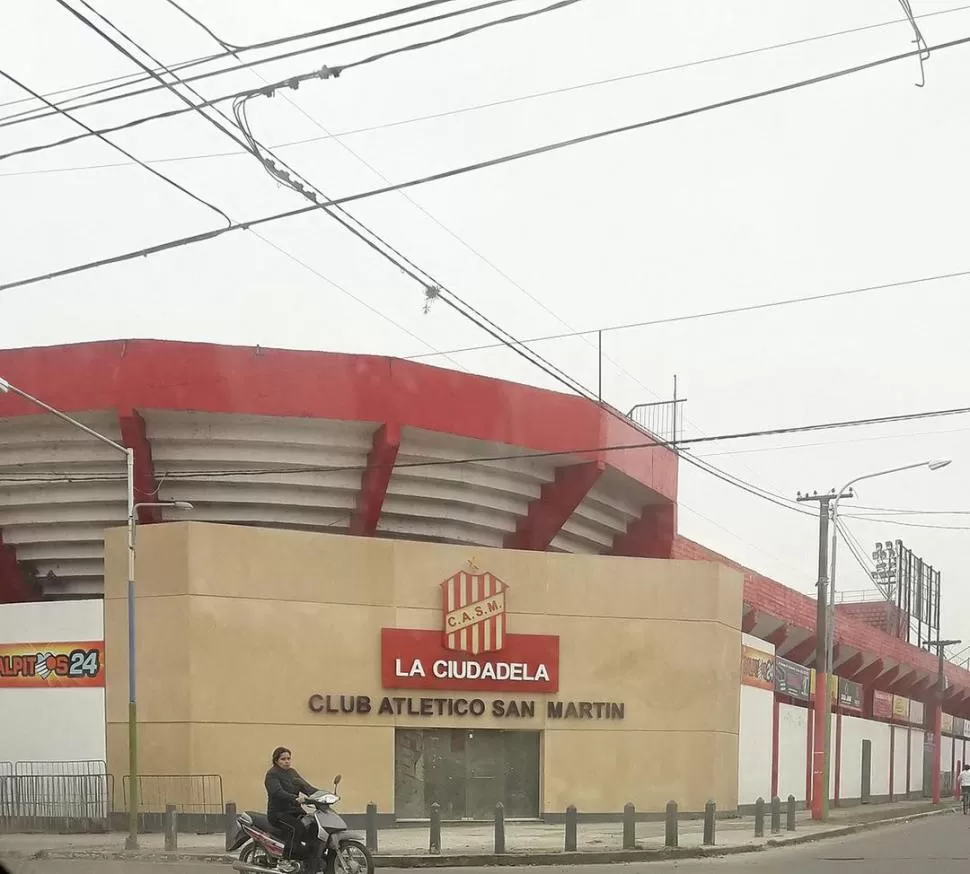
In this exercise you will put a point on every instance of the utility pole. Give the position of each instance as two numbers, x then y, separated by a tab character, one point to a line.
823	724
938	714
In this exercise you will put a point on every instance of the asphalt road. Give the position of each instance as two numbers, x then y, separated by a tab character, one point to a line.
940	844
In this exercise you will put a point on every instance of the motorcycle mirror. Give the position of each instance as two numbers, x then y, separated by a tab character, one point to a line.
336	780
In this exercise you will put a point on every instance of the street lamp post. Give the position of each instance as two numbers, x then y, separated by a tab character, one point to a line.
131	842
830	630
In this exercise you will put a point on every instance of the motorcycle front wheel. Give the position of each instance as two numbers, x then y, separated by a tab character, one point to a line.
352	858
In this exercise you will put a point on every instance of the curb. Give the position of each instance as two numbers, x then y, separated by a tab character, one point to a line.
483	860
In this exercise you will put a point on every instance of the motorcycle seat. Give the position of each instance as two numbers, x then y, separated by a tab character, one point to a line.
261	821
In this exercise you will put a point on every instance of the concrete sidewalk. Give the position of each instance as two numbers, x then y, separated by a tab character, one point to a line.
525	842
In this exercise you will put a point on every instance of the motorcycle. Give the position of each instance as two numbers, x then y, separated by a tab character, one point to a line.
263	845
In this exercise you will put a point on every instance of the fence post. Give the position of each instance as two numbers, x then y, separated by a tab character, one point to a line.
670	825
629	826
371	827
230	824
791	813
776	815
710	815
435	845
759	818
499	829
571	818
171	829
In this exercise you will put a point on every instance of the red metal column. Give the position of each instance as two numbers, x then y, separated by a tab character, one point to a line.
775	732
937	748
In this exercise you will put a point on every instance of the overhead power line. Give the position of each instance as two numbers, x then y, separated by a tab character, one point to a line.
468	168
117	82
709	314
117	148
236	138
32	115
336	135
928	525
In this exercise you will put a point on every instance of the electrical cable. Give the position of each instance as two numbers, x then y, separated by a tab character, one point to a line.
120	48
925	525
503	102
458	171
891	511
727	311
256	147
118	148
433	288
140	77
34	115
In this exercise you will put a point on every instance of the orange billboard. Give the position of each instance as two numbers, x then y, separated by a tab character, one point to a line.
64	665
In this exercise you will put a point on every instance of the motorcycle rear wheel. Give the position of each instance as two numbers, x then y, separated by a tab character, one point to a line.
354	858
253	854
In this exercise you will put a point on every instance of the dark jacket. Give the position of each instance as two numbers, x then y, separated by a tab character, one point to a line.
282	786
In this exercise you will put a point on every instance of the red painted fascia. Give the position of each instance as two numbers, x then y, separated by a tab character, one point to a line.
557	501
164	375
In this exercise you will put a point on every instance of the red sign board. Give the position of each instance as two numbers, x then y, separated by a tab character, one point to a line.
417	659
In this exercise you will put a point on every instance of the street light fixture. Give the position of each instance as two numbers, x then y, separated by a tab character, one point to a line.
131	842
933	464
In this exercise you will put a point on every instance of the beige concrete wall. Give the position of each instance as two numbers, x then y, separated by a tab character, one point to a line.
237	627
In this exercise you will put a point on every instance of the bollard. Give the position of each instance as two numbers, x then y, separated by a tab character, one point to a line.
435	845
710	814
371	836
232	827
171	829
791	813
629	826
759	818
571	817
776	815
499	829
670	825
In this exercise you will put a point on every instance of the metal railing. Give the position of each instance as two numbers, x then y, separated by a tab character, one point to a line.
197	798
52	803
663	419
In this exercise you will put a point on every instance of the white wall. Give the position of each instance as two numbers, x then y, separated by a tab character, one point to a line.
754	736
854	732
916	761
52	724
792	752
899	758
946	754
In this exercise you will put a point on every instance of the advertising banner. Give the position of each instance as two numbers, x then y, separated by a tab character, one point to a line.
946	723
757	668
916	712
52	665
900	708
882	705
793	679
850	695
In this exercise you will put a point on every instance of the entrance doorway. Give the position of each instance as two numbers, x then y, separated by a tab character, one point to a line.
467	772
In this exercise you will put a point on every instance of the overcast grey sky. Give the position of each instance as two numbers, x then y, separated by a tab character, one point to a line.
856	182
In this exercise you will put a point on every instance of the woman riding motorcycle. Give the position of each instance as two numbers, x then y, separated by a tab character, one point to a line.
285	791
